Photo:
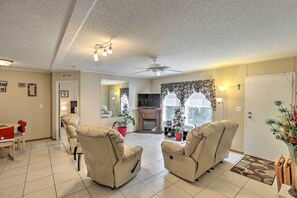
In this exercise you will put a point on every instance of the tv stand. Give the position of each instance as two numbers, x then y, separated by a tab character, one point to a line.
149	120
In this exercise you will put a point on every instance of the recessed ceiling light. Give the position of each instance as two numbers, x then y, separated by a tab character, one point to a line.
5	62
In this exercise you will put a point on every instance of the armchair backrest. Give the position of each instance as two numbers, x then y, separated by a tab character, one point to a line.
209	136
230	128
71	123
22	127
102	147
104	109
197	136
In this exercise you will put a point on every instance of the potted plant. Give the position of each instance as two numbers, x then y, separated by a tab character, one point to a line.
178	133
123	123
285	129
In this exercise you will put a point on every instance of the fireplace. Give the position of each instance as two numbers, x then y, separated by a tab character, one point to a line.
149	124
149	120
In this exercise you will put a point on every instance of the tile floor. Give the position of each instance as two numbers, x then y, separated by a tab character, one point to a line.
46	170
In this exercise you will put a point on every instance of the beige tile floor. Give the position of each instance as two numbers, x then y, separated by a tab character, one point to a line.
46	170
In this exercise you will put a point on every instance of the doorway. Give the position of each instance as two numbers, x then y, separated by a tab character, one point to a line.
67	100
260	94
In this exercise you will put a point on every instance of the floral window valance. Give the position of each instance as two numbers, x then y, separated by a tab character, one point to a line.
183	90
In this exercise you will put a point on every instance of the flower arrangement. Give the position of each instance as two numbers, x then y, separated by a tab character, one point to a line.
285	128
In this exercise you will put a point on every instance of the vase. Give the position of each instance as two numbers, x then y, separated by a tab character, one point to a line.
178	136
122	130
293	154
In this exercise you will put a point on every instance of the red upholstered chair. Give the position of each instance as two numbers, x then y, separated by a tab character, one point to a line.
20	135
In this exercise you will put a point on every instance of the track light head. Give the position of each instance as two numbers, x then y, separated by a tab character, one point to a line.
104	53
109	51
96	57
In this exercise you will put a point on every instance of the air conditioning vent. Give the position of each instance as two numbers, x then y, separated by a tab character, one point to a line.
67	75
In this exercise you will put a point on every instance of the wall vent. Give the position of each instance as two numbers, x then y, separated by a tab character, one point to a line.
67	75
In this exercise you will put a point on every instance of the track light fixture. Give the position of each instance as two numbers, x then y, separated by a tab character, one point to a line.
104	52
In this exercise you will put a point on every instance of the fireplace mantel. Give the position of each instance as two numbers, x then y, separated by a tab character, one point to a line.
150	114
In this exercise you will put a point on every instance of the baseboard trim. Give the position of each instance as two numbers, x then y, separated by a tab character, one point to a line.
236	151
38	139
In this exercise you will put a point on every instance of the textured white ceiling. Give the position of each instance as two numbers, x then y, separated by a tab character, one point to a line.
186	35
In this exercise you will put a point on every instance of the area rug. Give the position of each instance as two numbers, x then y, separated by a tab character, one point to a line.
255	168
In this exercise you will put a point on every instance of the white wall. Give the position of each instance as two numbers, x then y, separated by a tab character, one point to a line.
89	98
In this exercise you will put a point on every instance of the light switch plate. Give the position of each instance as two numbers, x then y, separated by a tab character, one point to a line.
238	109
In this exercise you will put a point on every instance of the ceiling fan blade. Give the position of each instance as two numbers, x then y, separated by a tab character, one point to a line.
165	67
141	71
139	68
173	70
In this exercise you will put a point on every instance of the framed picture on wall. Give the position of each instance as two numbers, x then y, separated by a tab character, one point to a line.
3	85
64	93
32	89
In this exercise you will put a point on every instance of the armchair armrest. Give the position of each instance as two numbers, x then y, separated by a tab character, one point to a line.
173	147
131	152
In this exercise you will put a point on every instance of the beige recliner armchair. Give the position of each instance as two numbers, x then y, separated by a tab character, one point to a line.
193	157
109	161
105	113
71	122
230	128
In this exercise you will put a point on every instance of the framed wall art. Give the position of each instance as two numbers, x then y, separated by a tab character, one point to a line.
32	89
3	85
64	93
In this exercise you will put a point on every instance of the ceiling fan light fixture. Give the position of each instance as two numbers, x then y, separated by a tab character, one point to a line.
158	73
5	62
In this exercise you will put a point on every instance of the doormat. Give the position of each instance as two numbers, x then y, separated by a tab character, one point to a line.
256	168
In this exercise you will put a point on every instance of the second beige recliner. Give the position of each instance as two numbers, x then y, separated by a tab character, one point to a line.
200	151
109	161
71	122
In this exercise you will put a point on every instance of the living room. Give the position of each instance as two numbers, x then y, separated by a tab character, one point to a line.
60	49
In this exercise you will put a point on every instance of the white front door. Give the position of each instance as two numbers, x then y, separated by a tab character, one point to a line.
260	93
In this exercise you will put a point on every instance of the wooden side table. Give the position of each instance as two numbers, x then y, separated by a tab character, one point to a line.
8	143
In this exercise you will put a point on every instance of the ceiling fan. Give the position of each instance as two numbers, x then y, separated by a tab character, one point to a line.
156	68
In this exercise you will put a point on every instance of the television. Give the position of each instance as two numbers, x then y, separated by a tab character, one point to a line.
148	100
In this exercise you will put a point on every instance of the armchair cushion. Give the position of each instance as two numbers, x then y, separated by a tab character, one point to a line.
173	147
131	152
72	119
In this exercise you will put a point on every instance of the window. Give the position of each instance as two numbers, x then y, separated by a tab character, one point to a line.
198	110
170	103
